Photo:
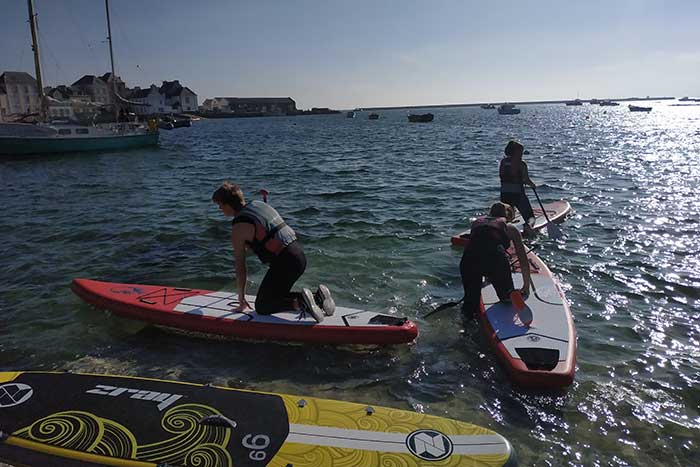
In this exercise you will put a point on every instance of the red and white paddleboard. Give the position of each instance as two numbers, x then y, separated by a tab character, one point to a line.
216	313
556	212
543	354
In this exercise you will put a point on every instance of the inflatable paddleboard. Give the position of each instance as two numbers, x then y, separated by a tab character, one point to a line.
556	211
216	313
543	354
65	419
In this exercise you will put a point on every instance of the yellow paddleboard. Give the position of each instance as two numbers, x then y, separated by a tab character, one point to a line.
66	419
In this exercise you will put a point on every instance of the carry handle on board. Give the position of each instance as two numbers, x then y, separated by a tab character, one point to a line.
218	420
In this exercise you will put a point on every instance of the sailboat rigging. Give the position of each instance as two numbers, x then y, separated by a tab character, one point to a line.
48	136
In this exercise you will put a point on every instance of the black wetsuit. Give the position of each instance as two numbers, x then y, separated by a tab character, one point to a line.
275	243
485	255
513	189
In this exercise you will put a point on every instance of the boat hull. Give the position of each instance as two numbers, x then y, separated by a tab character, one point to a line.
46	145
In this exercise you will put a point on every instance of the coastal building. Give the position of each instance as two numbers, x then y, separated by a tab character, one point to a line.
151	98
178	97
18	94
251	105
99	90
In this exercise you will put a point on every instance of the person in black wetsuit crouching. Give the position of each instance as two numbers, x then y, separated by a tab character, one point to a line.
485	255
258	226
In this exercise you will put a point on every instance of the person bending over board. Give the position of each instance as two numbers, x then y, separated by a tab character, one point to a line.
485	255
514	177
258	226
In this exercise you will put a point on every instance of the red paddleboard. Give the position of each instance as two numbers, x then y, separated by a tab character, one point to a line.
216	313
556	212
538	351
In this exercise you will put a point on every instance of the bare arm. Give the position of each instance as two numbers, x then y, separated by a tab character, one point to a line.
517	239
239	234
526	177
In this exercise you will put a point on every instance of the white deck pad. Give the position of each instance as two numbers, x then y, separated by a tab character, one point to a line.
549	328
224	305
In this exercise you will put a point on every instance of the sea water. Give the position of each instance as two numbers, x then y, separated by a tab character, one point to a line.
374	203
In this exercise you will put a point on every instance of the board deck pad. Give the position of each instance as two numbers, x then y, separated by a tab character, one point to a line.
218	312
544	353
78	419
556	211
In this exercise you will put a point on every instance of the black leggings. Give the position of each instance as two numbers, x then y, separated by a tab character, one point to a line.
274	291
520	201
474	266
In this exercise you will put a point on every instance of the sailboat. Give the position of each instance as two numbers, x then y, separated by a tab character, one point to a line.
51	136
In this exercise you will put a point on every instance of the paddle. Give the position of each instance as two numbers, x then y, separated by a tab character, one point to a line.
444	306
523	311
264	193
553	230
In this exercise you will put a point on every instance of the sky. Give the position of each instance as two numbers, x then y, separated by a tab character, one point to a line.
370	53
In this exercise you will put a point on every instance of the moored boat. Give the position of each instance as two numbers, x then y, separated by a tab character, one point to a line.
373	116
488	106
350	114
420	118
574	102
508	109
637	108
47	136
609	103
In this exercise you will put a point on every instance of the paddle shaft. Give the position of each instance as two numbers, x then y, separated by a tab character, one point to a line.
544	211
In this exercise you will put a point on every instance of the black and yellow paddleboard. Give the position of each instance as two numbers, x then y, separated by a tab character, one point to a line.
66	419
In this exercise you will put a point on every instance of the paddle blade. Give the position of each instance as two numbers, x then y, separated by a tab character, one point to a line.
523	311
525	316
517	300
554	231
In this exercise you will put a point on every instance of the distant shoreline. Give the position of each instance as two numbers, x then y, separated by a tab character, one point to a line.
477	104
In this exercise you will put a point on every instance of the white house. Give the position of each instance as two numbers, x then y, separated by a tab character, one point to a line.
179	98
153	100
18	94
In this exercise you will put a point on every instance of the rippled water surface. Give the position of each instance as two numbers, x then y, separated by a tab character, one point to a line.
374	203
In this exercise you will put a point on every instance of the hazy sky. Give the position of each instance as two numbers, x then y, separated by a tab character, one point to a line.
362	53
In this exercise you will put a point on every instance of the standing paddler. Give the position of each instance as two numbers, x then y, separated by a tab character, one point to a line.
514	176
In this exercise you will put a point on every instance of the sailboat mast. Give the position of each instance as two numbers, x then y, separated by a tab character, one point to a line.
111	59
35	49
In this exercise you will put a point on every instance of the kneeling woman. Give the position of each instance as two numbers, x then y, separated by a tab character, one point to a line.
485	255
258	226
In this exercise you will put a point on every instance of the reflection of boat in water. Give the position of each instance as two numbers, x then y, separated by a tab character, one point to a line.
636	108
488	106
508	109
609	103
420	118
51	136
374	116
350	114
574	102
